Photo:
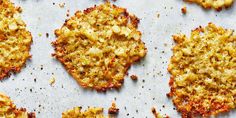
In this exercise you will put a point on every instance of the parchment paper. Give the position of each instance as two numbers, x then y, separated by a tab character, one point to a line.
31	87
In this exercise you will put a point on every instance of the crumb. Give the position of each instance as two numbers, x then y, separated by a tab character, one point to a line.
108	0
134	77
52	80
158	15
68	13
155	113
99	48
40	34
15	40
47	35
113	109
62	5
91	112
218	5
206	95
184	10
158	115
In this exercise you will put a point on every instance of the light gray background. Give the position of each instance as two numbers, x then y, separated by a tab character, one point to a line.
42	17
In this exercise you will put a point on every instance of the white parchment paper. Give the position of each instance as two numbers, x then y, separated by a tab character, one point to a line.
31	87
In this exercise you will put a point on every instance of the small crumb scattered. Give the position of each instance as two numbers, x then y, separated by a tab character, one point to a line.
113	109
158	115
184	10
134	77
62	5
158	15
40	34
52	80
47	35
108	0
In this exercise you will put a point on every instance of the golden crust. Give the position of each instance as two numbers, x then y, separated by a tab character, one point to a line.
98	46
15	40
89	113
203	72
215	4
9	110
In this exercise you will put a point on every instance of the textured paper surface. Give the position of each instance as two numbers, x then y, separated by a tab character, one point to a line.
135	99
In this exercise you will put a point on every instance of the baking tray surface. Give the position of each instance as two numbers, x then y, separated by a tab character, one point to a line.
31	87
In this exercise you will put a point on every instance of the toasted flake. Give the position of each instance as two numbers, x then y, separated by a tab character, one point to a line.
9	110
52	80
203	72
157	114
15	40
134	77
98	45
215	4
113	109
89	113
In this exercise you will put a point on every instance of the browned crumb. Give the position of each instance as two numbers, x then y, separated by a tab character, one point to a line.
184	10
134	77
113	109
39	34
155	113
109	0
203	71
158	115
62	5
215	4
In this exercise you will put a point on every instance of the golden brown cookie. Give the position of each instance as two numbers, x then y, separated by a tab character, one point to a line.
9	110
215	4
203	71
15	40
89	113
97	46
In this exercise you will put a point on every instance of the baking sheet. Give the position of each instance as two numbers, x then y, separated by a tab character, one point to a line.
31	87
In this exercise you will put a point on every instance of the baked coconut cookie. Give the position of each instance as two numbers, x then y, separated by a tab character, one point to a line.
97	46
203	72
215	4
89	113
9	110
15	40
